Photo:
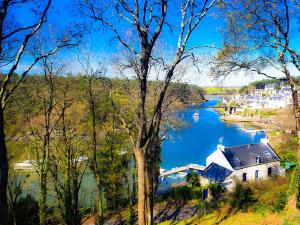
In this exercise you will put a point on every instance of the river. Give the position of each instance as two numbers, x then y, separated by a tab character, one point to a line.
192	144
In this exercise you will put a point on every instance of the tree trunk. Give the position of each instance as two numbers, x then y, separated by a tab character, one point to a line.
140	159
3	173
147	197
99	201
292	202
297	119
42	197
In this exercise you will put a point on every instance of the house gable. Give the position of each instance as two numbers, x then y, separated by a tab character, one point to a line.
219	158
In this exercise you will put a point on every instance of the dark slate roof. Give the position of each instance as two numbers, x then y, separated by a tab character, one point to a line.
216	173
245	155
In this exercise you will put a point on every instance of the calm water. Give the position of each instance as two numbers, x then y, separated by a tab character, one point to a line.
195	142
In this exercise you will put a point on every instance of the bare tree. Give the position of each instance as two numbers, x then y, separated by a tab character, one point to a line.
146	21
42	131
15	42
94	75
70	157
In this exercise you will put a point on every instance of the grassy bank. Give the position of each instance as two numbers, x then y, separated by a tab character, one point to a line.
220	90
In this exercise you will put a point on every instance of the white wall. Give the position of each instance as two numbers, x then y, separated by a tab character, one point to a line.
237	175
218	158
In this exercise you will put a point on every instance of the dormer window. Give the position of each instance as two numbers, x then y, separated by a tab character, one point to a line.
238	162
257	159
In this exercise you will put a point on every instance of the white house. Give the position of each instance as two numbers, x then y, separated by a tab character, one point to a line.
259	91
229	165
276	101
270	88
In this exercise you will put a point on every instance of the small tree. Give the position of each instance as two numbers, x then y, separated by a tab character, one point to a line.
193	178
242	197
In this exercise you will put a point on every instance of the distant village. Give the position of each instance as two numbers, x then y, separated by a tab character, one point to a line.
272	96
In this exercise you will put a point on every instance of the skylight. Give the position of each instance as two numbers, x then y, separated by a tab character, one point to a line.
267	153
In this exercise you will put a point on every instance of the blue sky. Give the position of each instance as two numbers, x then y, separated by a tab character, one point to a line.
208	32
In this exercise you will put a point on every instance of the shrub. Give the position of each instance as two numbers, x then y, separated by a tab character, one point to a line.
267	191
216	190
27	211
280	202
196	193
203	208
181	193
193	179
288	156
242	197
260	207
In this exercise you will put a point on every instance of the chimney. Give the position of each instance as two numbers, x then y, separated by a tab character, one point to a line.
257	159
221	147
264	141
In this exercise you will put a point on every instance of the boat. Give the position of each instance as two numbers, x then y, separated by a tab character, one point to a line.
196	115
26	165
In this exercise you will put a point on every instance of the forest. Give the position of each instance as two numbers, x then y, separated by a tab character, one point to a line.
69	126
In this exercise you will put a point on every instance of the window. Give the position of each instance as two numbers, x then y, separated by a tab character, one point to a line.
244	176
256	174
269	171
267	153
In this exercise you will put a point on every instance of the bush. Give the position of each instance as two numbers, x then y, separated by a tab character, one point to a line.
260	207
280	202
267	191
242	197
181	193
288	156
27	211
216	190
196	193
203	208
193	179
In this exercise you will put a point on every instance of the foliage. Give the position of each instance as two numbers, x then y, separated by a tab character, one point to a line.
262	83
243	90
183	193
203	208
263	195
193	178
280	202
268	113
216	190
260	207
27	211
288	156
242	197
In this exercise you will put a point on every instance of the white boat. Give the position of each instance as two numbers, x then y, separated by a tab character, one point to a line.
196	114
26	165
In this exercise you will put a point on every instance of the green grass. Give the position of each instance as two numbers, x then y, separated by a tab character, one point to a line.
241	218
220	91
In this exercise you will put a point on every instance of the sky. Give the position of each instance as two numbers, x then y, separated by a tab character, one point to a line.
99	42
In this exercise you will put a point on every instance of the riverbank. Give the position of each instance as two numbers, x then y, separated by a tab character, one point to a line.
276	120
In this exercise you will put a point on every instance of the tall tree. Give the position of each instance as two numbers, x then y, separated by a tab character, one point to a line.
42	128
258	37
137	26
70	160
97	97
15	42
